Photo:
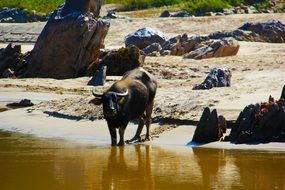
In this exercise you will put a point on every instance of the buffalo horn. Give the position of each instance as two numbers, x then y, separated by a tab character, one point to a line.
96	94
122	94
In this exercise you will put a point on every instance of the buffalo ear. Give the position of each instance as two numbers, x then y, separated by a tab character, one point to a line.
96	101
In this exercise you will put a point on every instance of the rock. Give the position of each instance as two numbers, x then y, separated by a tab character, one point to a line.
145	37
221	48
248	10
208	128
210	14
165	14
99	77
182	44
220	14
238	34
122	60
165	52
17	15
216	78
180	14
23	103
111	15
228	11
270	31
70	42
260	123
151	49
9	58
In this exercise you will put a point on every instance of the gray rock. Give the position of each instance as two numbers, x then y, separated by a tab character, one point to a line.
180	14
145	37
17	15
111	15
99	77
216	78
165	14
272	31
269	31
152	49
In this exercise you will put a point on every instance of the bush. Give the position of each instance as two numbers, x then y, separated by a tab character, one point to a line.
199	7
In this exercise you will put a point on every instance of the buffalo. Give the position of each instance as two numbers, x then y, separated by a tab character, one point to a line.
130	98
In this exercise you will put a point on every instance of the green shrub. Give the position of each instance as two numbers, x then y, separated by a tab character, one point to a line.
198	7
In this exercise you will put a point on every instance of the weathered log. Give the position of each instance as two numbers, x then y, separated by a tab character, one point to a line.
70	41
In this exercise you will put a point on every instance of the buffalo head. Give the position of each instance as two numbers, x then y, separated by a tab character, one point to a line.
111	101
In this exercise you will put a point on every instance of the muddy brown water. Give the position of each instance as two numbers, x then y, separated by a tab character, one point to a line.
33	163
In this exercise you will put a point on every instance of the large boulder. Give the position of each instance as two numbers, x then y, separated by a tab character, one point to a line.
220	48
216	78
272	31
145	37
260	123
120	61
210	128
70	41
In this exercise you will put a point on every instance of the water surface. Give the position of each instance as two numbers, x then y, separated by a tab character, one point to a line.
33	163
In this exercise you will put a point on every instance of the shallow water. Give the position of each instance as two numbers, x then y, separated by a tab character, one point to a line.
33	163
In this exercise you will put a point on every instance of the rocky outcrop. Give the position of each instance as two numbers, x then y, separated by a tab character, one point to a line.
194	47
12	62
120	61
70	41
272	31
145	37
220	48
210	127
260	123
216	78
182	44
16	15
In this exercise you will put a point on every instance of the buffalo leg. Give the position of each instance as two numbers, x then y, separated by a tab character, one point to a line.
121	133
113	134
139	131
148	119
